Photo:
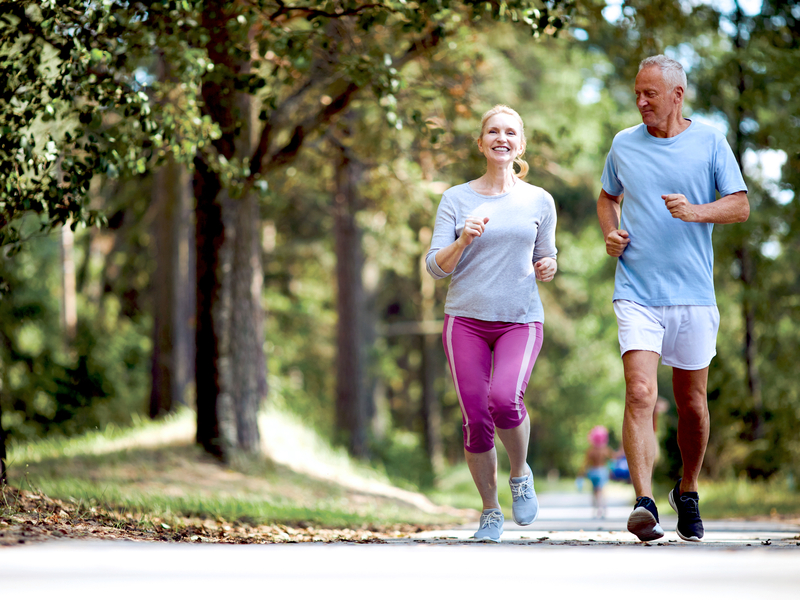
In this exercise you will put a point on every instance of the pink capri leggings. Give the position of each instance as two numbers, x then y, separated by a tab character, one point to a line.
491	363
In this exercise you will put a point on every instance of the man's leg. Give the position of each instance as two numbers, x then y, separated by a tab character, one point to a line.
638	437
693	426
639	440
693	422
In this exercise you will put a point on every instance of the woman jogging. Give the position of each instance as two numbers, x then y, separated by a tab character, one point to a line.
495	236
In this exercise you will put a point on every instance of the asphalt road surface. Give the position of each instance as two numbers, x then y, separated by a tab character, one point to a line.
565	554
567	518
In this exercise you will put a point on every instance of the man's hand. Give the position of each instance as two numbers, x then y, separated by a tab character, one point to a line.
680	208
616	242
545	269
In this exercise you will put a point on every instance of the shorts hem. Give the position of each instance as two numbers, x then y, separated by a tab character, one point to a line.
685	367
622	351
669	363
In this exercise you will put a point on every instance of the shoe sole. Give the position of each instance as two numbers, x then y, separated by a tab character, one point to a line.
488	539
691	538
643	525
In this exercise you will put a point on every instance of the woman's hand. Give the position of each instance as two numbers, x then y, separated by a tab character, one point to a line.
447	258
473	227
545	268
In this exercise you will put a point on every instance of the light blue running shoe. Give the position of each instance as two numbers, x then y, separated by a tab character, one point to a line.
491	526
524	505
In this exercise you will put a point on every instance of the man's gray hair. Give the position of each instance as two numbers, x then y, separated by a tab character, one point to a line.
671	70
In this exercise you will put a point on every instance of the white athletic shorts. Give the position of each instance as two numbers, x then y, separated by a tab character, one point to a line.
684	336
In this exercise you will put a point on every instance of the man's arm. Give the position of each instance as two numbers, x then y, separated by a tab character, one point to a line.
608	213
733	208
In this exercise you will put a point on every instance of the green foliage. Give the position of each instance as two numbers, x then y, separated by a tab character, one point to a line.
743	497
49	387
71	106
81	94
402	454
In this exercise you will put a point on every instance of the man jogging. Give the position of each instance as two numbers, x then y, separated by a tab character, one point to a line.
657	209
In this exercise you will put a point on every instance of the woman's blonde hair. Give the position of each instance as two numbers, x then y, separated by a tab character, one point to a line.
507	110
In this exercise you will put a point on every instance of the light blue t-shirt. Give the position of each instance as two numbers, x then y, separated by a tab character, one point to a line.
668	262
495	279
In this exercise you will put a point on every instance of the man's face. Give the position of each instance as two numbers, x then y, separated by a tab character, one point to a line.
655	101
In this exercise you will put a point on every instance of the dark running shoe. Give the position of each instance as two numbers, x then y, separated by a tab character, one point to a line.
643	521
690	525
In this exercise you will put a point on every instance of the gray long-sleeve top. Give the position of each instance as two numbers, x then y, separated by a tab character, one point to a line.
495	280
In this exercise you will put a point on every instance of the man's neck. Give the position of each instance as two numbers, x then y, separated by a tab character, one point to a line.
672	128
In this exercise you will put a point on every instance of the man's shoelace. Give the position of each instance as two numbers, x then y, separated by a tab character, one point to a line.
689	506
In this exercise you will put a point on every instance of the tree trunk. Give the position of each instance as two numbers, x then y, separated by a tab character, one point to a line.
172	308
378	422
3	474
248	367
750	341
209	237
231	370
233	111
747	275
352	414
431	357
183	306
69	304
238	321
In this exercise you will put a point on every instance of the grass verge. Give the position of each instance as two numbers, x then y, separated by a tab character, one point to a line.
153	480
742	498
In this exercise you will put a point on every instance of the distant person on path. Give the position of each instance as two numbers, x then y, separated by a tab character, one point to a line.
595	467
496	236
668	170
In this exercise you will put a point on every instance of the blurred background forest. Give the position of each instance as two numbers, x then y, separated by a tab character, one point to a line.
223	205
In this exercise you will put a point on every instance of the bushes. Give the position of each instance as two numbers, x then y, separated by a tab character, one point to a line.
52	386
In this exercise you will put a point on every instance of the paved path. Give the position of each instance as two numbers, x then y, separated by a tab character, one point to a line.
122	570
575	557
567	518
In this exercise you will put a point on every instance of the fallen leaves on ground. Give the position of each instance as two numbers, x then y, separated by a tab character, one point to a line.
34	517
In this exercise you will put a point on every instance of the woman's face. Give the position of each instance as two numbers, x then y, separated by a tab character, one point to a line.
501	141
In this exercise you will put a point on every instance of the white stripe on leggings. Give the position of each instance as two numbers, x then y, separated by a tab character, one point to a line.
526	359
451	360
